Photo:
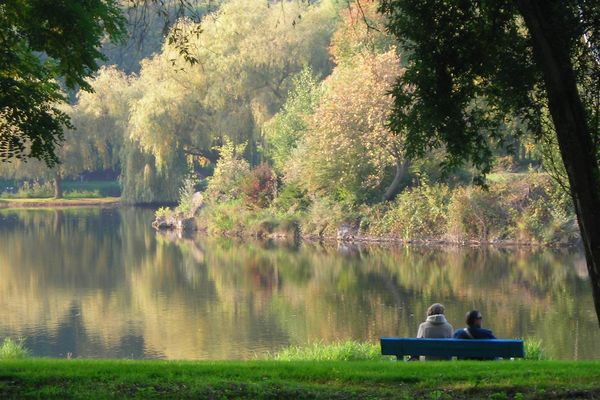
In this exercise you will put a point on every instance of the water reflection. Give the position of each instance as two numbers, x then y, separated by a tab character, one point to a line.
102	283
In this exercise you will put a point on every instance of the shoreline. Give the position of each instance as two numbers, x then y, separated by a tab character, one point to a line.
394	240
366	240
59	203
45	203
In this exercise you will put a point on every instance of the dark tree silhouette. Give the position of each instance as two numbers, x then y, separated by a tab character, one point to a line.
472	64
42	41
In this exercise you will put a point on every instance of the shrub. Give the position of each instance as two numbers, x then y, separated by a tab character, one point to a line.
229	173
13	349
546	214
477	214
288	227
541	222
259	187
224	218
505	164
262	225
35	189
417	213
429	168
81	194
291	199
323	217
233	218
162	212
186	204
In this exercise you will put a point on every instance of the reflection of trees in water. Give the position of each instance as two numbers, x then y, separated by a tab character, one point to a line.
45	271
53	251
221	298
372	291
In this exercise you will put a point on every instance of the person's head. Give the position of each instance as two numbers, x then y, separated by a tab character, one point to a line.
473	318
435	309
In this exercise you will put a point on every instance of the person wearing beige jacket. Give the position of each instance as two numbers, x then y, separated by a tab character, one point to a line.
435	326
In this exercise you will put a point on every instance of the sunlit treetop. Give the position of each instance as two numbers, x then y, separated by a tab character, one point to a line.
362	29
232	74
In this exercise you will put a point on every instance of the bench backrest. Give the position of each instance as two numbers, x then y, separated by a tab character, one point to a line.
468	348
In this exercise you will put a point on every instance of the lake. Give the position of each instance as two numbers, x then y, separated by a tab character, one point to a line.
101	283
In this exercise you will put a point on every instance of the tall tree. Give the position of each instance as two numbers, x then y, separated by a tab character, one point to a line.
287	127
99	119
472	64
47	46
347	147
41	41
342	145
227	80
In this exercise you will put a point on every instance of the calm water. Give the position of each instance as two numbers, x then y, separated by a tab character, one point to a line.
102	283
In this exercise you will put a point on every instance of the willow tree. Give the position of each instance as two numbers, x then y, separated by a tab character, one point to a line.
99	119
473	64
228	78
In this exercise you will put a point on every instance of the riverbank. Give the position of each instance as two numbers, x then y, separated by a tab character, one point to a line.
49	378
517	210
51	202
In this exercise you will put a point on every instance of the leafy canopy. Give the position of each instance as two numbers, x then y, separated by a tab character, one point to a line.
470	67
40	42
344	148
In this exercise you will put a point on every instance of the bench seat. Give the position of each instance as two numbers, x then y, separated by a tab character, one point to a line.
463	348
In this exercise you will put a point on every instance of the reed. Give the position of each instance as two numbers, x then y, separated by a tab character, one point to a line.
13	349
348	350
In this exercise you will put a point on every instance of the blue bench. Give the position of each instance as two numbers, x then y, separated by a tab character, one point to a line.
462	348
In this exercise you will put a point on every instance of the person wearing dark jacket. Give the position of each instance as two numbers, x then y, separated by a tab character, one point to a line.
474	329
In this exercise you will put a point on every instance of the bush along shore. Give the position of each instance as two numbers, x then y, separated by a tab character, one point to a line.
515	209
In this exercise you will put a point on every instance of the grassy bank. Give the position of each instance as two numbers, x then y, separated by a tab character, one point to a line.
71	189
50	202
45	378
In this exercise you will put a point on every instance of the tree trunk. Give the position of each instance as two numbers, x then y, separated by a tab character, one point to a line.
391	191
569	117
58	220
58	192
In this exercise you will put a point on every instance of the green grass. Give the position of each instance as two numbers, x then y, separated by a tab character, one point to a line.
81	379
507	177
101	188
85	194
71	190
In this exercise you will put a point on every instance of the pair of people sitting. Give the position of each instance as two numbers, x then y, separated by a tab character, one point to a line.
436	326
